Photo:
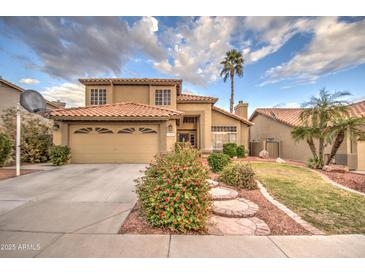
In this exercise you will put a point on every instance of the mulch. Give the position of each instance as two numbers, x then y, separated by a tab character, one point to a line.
278	222
10	173
137	224
348	179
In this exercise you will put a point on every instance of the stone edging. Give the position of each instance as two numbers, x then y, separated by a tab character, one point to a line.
307	226
329	180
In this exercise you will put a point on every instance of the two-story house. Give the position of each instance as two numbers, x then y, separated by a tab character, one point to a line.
128	120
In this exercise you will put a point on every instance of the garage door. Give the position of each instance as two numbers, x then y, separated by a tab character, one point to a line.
114	143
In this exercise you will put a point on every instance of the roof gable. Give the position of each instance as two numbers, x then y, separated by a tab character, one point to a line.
231	115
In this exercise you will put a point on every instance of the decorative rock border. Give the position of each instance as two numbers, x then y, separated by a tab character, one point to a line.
212	183
329	180
239	208
307	226
223	193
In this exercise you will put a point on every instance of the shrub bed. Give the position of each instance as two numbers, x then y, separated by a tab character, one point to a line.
6	147
217	161
239	175
173	193
59	155
241	153
230	149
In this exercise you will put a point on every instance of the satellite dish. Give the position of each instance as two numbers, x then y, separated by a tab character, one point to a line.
33	101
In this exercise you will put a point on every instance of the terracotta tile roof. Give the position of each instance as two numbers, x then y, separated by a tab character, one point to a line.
115	111
288	116
190	98
357	109
234	116
133	81
11	85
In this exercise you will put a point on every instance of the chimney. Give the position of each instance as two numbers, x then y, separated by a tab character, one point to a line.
241	109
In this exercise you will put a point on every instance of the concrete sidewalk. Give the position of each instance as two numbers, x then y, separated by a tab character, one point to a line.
76	245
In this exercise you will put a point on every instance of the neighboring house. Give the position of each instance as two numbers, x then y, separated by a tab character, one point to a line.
128	120
274	125
10	96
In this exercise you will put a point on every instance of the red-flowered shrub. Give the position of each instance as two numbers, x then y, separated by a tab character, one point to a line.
173	192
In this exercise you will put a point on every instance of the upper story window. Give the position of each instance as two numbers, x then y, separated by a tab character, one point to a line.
162	97
98	97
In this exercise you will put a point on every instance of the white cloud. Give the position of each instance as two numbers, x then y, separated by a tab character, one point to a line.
72	94
273	33
336	46
196	49
29	81
287	105
74	47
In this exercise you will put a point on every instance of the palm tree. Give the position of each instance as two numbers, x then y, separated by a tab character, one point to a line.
338	129
232	65
319	113
307	134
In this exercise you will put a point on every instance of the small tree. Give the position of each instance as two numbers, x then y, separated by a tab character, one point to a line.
338	129
317	117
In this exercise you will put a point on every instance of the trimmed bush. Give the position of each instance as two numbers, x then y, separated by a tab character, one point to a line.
6	147
173	193
241	153
314	163
239	175
217	161
59	155
182	145
230	149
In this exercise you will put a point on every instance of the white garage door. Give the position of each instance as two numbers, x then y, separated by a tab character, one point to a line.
121	143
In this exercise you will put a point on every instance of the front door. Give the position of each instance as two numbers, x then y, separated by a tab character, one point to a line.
187	137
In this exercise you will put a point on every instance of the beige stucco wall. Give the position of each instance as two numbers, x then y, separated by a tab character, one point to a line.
289	149
9	97
265	127
219	119
360	146
204	111
143	94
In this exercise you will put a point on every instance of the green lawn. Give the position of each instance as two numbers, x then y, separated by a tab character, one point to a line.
328	208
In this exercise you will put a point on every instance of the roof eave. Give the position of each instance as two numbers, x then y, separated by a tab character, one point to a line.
233	116
102	118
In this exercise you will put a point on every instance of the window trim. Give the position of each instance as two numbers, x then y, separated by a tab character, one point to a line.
146	130
127	130
98	96
83	130
163	97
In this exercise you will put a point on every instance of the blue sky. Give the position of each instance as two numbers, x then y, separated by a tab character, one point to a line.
287	59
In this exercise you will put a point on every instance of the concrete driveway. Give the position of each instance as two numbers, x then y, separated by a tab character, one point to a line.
40	207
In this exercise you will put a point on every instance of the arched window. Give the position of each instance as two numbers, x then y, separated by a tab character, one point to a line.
128	130
84	130
145	130
103	130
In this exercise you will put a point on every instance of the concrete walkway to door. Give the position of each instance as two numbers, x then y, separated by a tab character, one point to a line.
92	198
